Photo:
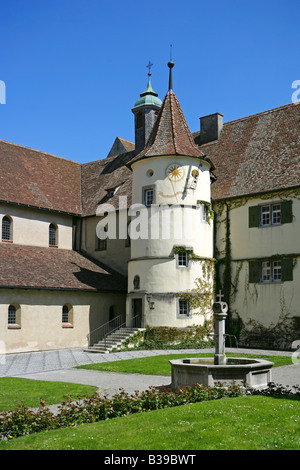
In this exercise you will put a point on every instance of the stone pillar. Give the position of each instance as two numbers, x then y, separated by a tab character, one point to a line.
220	313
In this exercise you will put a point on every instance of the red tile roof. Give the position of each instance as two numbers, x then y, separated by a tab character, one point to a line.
34	178
256	154
52	268
170	134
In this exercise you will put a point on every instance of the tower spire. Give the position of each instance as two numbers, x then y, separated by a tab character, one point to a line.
170	65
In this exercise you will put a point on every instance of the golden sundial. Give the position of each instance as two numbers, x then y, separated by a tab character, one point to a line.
175	172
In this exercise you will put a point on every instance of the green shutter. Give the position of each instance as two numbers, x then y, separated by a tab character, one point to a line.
254	271
286	212
287	269
254	216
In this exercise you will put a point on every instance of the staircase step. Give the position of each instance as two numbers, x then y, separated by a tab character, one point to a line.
113	341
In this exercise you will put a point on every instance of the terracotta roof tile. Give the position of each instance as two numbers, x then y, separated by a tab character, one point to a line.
257	154
34	178
170	134
52	268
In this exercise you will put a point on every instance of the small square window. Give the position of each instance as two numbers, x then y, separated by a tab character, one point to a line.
101	245
184	308
183	258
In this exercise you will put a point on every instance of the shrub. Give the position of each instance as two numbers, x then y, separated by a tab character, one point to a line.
89	409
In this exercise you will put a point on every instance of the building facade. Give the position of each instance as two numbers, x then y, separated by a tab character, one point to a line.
150	232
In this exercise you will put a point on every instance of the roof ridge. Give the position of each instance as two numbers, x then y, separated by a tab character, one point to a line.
39	151
273	110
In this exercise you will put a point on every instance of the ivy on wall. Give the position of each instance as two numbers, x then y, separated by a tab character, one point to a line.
229	284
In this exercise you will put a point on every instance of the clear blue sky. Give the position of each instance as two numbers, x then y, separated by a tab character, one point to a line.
74	68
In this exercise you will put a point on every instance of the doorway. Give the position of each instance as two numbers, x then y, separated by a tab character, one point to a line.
137	313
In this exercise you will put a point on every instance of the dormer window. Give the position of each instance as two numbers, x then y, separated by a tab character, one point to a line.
113	191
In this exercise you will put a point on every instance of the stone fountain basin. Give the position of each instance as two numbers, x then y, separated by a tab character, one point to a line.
255	373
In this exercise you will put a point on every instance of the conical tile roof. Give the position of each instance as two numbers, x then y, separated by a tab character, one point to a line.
170	134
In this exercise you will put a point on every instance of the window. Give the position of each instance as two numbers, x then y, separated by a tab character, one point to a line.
271	271
12	315
205	213
139	120
148	197
52	235
67	316
183	259
6	229
136	282
101	245
270	214
183	308
267	215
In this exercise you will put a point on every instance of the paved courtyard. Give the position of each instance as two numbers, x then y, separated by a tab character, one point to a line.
58	365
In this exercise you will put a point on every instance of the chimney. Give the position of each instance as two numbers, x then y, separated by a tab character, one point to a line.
210	127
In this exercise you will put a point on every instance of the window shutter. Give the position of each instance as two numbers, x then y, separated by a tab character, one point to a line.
254	216
254	271
286	212
287	269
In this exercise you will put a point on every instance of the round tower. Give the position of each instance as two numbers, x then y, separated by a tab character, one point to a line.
171	226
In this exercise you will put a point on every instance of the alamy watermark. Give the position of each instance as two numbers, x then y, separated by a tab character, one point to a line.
154	222
2	92
296	94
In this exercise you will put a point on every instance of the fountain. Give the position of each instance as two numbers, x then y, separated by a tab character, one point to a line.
255	373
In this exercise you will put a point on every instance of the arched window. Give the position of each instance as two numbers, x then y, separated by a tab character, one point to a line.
14	316
52	235
136	282
6	228
67	316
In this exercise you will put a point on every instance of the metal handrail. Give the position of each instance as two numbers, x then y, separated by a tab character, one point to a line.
99	333
133	323
103	331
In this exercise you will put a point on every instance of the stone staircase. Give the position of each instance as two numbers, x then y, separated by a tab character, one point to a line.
113	340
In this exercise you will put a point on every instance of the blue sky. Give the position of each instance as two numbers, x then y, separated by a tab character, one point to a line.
74	68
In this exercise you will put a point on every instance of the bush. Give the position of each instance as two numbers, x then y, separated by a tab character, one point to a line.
91	409
86	409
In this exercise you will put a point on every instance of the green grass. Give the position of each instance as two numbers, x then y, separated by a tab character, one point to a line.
243	423
159	365
13	391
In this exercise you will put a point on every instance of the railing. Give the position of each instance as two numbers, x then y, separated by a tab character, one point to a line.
110	327
100	333
135	322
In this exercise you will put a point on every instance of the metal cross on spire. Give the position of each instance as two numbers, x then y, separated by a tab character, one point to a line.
149	67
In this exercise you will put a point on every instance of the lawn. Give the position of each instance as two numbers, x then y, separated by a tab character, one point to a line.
242	423
13	391
159	365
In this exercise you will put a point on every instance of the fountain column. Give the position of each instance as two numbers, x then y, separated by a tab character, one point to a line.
220	313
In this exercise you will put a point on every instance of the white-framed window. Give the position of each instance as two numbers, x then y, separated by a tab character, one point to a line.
270	214
271	271
148	197
183	308
183	259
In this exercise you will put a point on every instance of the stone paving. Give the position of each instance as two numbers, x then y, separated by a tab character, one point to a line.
59	365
